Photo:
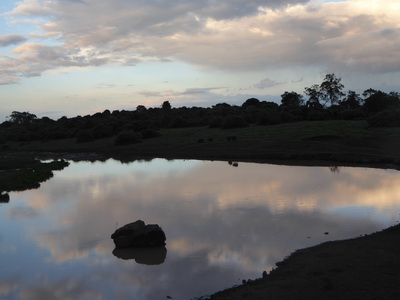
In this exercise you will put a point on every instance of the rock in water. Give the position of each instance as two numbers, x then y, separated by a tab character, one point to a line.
137	234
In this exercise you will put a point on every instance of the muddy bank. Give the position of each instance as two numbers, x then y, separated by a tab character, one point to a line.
366	267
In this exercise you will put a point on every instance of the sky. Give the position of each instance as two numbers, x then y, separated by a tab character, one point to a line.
78	57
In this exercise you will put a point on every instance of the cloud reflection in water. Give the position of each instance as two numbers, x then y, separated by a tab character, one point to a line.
222	224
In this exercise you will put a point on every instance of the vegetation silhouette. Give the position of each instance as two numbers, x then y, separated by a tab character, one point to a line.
325	101
23	173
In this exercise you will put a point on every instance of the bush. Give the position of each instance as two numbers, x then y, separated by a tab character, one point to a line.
286	117
102	131
215	122
150	133
352	114
127	137
267	117
233	122
386	118
316	115
178	122
84	136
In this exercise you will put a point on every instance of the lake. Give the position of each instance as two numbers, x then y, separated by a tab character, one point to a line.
224	222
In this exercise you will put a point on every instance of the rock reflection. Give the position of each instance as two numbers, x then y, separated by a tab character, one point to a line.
144	256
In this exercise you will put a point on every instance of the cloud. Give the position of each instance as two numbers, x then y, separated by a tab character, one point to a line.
266	83
192	91
238	35
11	39
23	212
150	93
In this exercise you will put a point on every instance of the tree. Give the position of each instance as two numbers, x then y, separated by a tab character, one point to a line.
376	101
251	102
314	95
352	100
291	99
166	105
141	108
21	118
331	89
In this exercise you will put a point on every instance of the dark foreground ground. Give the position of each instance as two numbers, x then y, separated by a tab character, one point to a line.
362	268
333	143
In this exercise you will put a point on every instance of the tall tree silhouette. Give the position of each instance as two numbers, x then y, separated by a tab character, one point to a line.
331	89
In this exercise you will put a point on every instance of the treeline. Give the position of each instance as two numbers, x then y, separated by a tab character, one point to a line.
325	101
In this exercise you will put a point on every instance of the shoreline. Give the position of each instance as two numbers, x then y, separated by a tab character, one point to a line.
366	267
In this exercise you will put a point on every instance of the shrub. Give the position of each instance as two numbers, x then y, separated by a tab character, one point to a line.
150	133
127	137
178	122
267	117
233	122
352	114
286	117
316	115
102	131
386	118
84	136
215	122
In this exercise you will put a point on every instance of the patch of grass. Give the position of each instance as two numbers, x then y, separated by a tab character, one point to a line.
178	137
337	141
26	173
289	131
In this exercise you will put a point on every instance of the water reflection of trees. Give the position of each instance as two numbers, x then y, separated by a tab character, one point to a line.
334	169
24	173
4	197
233	163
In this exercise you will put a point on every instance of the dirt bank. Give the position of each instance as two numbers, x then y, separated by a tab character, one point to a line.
367	267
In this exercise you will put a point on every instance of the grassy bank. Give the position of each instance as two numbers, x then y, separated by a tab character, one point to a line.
327	142
22	173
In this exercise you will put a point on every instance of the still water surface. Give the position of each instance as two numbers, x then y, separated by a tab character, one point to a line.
223	224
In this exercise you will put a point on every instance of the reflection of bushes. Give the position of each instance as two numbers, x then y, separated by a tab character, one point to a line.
386	118
127	137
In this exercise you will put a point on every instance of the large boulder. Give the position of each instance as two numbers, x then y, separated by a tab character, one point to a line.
138	234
